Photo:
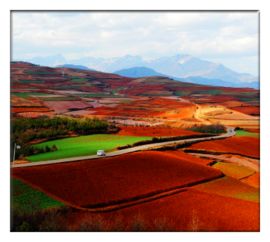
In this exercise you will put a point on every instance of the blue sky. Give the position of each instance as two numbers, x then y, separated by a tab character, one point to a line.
223	37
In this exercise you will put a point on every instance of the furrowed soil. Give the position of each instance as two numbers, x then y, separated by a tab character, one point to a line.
154	131
114	179
190	210
247	146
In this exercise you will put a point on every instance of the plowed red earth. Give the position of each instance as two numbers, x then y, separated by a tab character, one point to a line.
154	131
253	180
29	109
186	211
157	107
109	180
187	157
252	110
248	146
63	106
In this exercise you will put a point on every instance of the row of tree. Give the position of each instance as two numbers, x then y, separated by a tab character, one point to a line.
26	130
211	129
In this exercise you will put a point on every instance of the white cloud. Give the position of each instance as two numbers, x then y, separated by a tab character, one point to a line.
108	34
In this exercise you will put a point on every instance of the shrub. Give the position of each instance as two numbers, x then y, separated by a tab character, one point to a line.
25	130
212	128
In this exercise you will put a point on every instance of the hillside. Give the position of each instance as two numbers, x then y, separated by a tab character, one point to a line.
47	80
147	101
180	66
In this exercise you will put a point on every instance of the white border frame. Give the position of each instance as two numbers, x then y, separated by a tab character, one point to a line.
134	5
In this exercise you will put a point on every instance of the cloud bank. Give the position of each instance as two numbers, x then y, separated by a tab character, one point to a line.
230	38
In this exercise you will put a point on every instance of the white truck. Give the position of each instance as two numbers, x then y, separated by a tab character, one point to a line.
101	153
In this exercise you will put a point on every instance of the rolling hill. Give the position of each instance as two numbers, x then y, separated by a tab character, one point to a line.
41	79
179	66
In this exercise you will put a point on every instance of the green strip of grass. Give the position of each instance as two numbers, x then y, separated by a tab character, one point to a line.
79	79
28	199
27	94
246	133
84	145
67	98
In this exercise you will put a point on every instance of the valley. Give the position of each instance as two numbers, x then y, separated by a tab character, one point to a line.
179	156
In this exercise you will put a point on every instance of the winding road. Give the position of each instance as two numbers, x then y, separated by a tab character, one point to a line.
230	132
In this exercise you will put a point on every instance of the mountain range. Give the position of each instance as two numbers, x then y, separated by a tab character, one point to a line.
179	67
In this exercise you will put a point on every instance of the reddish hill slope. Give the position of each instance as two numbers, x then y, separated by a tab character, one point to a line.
26	75
110	180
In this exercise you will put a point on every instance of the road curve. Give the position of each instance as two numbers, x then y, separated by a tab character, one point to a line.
230	132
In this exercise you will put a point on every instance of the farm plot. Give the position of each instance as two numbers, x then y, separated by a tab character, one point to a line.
241	133
27	199
234	170
84	145
230	187
65	106
154	131
117	179
253	180
247	146
186	211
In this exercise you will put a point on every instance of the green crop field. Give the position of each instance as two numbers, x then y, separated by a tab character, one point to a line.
27	199
28	94
84	145
66	98
246	133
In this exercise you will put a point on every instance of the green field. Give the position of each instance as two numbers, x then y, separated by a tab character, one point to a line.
28	94
246	133
91	95
84	145
66	98
27	199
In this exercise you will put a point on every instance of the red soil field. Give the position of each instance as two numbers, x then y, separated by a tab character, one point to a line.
154	131
253	180
26	102
64	106
248	146
34	114
186	211
187	157
153	107
252	110
253	130
29	109
102	181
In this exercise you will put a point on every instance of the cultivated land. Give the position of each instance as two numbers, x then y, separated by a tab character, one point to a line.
211	185
84	145
116	179
27	199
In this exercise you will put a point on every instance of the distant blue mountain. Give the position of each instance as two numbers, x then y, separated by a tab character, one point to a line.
138	71
181	66
80	67
217	82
